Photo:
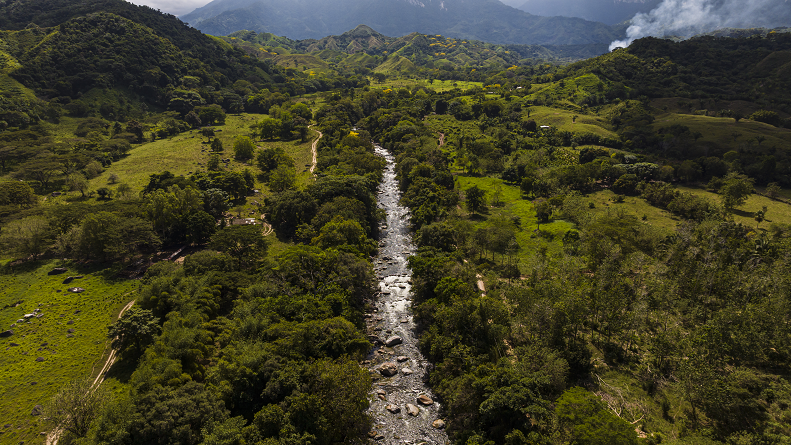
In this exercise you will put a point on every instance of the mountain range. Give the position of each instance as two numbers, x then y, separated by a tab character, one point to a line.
606	11
485	20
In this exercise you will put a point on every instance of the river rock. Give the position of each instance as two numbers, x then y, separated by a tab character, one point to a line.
393	409
388	369
425	400
381	392
438	424
407	371
393	341
412	410
402	358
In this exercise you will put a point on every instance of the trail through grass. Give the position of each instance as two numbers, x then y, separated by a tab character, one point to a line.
69	338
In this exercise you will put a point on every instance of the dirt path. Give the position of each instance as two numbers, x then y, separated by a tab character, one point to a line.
481	286
315	152
54	435
267	227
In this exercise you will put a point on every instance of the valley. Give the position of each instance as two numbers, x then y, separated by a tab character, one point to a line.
356	238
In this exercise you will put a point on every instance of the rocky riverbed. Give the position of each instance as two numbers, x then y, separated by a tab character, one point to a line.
403	408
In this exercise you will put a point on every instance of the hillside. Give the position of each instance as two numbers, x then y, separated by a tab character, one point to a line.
427	52
486	20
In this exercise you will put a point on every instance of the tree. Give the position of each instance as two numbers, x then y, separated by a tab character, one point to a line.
283	178
759	217
216	145
200	227
585	420
208	133
123	191
136	128
773	190
26	236
75	406
77	183
17	193
243	148
269	128
134	330
245	243
735	190
192	119
104	193
475	199
41	168
213	164
107	236
215	202
168	210
211	115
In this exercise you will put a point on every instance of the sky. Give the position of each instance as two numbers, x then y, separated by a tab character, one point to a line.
175	7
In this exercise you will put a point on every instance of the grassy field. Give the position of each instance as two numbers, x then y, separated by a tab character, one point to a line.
777	212
70	336
530	240
636	206
436	85
187	153
720	131
564	120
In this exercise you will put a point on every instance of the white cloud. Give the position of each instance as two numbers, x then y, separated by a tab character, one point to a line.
689	17
175	7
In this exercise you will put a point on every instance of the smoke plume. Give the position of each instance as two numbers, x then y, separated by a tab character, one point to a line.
686	18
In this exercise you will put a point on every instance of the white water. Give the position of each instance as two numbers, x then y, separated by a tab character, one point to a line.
393	316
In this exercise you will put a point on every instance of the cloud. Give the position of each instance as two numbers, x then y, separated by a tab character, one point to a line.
175	7
686	18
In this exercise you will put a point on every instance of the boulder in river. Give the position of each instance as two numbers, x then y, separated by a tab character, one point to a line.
412	410
395	409
402	358
393	341
388	369
425	400
407	371
438	424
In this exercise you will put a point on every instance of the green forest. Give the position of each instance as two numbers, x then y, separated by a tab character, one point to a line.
603	244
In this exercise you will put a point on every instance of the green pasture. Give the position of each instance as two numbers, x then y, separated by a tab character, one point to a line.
603	202
564	120
777	211
189	152
25	382
530	239
436	85
726	133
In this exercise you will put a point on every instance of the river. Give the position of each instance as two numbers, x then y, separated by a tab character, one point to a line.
400	414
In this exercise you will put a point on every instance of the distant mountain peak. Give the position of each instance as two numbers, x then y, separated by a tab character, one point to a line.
484	20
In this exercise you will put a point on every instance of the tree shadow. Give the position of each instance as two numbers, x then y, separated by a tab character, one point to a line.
122	369
743	213
478	217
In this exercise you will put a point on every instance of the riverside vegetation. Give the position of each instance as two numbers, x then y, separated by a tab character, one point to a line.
602	247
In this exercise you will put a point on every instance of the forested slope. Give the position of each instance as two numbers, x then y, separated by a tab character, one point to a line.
611	277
